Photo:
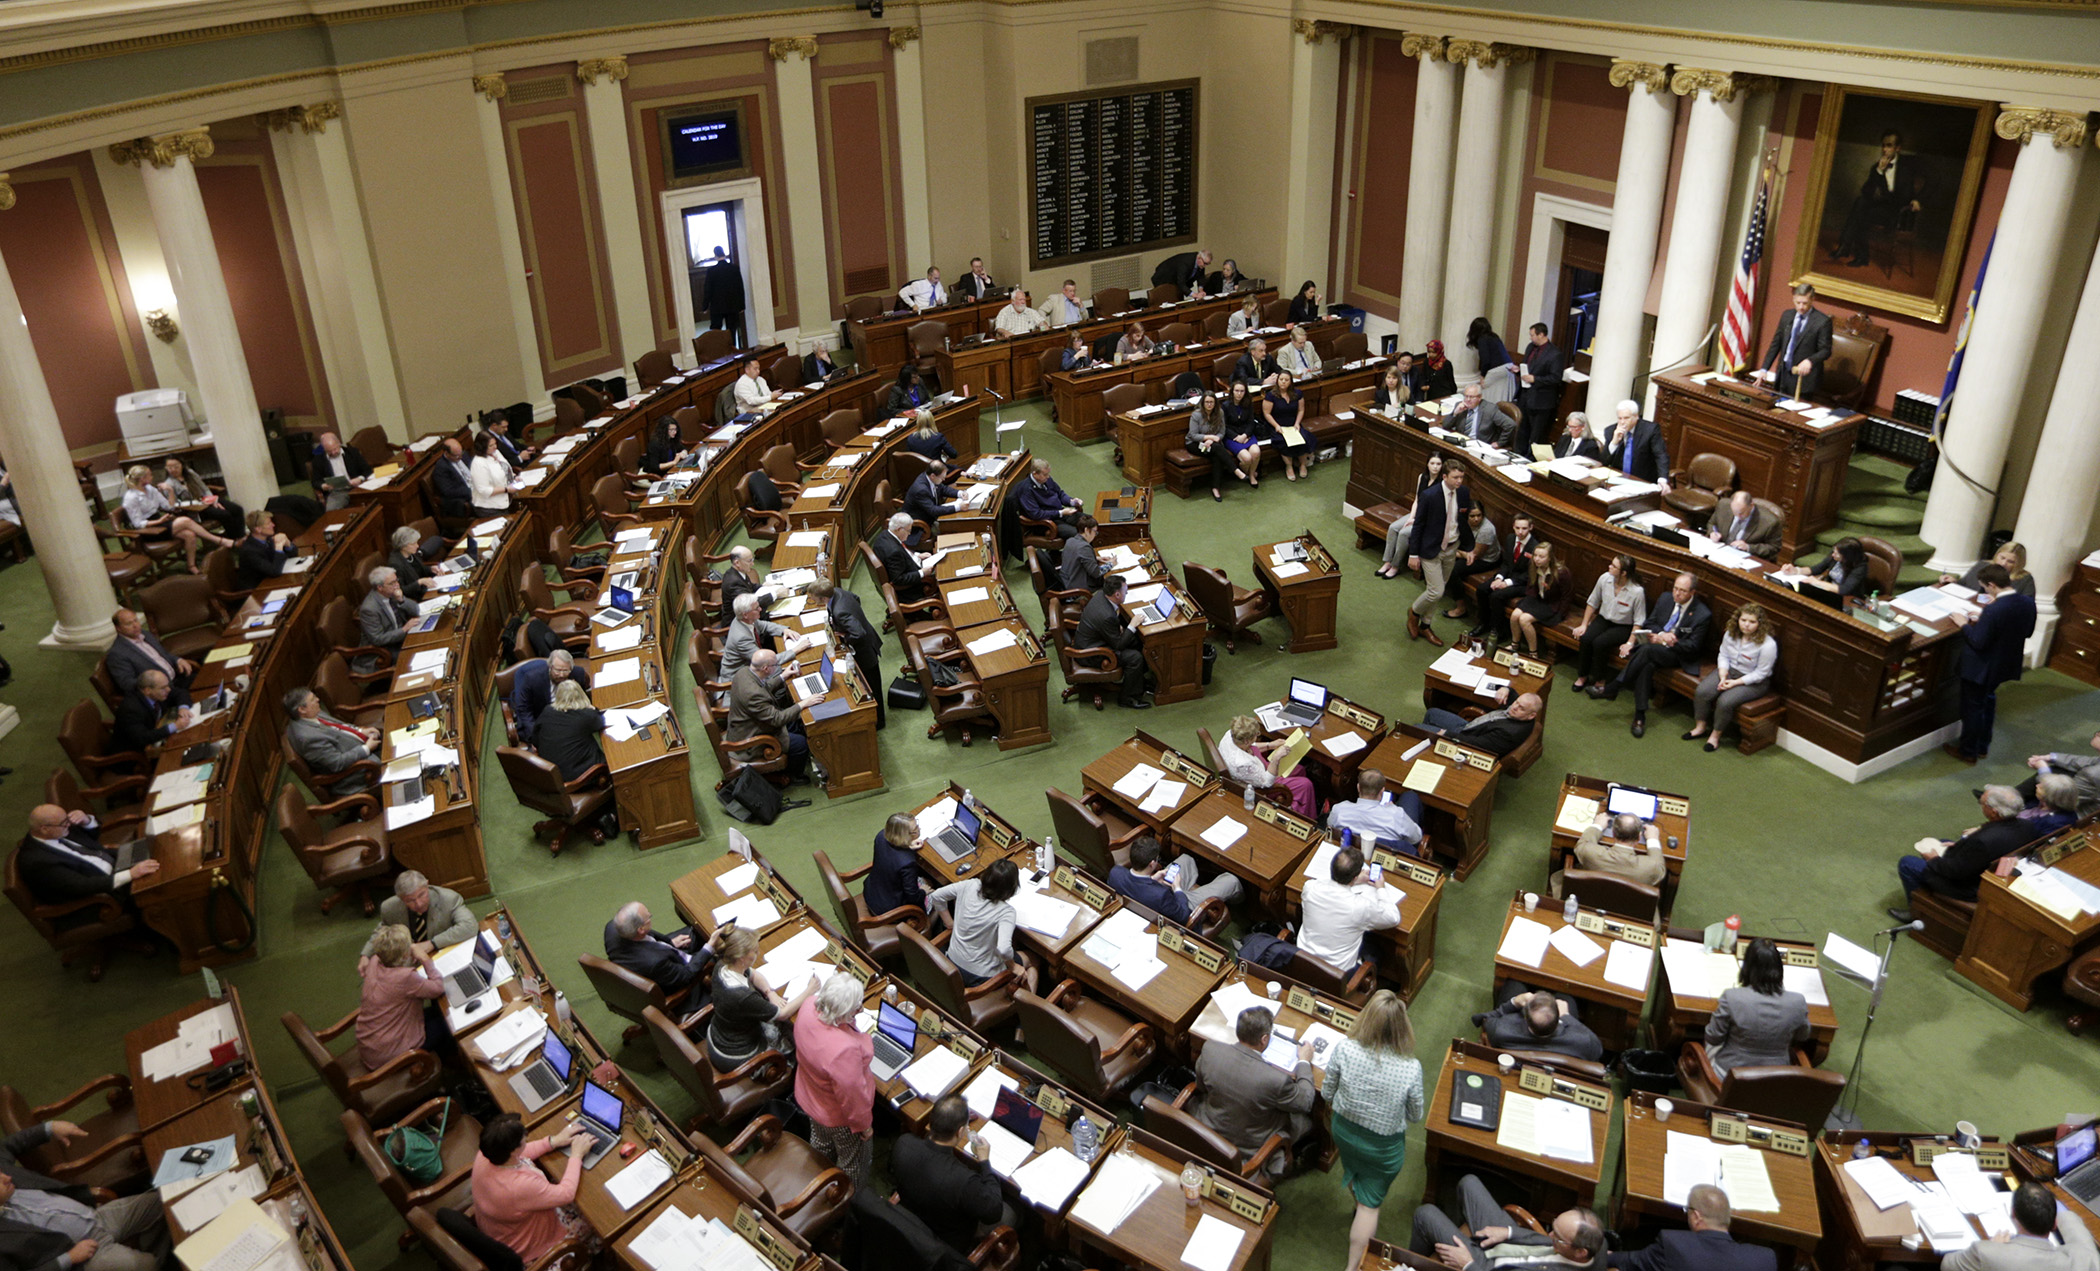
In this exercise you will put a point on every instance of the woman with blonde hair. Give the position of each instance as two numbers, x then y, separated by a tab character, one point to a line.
150	513
2012	556
1548	589
1247	319
1374	1090
1251	761
398	980
747	1009
928	441
1749	655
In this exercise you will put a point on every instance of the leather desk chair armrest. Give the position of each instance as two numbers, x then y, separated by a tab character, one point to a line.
117	1084
999	1248
416	1066
1188	1092
589	779
1135	1035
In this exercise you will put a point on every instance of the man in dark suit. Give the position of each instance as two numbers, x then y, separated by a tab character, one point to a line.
722	296
382	617
1104	625
928	499
327	744
137	650
1800	345
1635	446
1707	1246
977	284
1184	270
1442	532
452	481
742	578
759	704
1673	636
817	365
1746	527
62	859
1993	647
850	620
1577	440
1887	195
146	717
1955	870
1538	1020
1539	394
532	687
1503	586
45	1224
1575	1238
334	467
1257	366
1079	569
515	455
944	1182
674	962
262	555
1498	731
899	562
1479	420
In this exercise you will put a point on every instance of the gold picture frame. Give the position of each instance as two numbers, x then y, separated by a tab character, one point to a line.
1874	247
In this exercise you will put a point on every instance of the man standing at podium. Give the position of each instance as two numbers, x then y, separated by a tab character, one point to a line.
1800	345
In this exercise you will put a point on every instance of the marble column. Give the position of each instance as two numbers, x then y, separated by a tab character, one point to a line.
1636	222
204	309
492	90
1473	193
1428	190
796	89
46	487
2003	333
1308	220
909	68
1687	308
2062	488
613	162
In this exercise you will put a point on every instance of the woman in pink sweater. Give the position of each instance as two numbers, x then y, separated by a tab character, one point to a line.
399	981
513	1200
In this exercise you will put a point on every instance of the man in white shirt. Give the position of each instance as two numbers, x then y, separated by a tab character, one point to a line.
1340	908
927	292
751	389
1065	308
62	859
1372	816
1017	318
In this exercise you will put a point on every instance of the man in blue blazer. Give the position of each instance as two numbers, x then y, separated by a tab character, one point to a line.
137	650
1674	636
1993	647
532	688
1442	532
1706	1247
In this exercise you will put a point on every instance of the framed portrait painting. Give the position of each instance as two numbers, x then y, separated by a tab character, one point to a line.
1891	194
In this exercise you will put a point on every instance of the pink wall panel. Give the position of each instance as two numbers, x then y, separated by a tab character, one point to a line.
571	302
259	261
1375	226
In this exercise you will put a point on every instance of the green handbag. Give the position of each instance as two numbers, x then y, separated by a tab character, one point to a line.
418	1153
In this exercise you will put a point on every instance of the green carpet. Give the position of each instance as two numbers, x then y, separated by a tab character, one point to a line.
1876	504
1792	849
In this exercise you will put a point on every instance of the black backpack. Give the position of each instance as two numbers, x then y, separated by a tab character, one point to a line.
1267	951
750	798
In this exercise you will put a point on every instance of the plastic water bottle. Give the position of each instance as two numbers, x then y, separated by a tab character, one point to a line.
1569	910
1247	796
561	1010
1086	1141
1046	854
969	800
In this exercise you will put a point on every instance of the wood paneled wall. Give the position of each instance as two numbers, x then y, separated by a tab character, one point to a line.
548	146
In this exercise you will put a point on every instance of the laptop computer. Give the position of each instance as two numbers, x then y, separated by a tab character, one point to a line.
473	980
895	1035
599	1119
1476	1100
1160	610
546	1078
960	838
1641	803
1821	595
1018	1116
1675	538
1306	704
816	683
2076	1167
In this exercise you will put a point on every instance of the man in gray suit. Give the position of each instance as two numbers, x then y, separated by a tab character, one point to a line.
1246	1098
436	917
383	614
2035	1212
1481	421
326	743
1746	527
136	649
745	628
759	704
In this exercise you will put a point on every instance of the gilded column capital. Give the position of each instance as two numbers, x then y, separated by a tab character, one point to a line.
781	47
1415	44
1653	76
2024	123
1722	86
1485	55
903	35
7	191
612	68
312	120
491	86
1316	30
164	150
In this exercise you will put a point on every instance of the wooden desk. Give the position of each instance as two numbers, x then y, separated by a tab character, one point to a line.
1794	1229
845	743
2012	941
1146	436
936	1028
1174	648
1288	1004
968	609
445	846
1857	1234
640	1125
1308	599
700	1192
1448	1146
1407	953
1092	896
158	1102
980	362
1778	454
1016	681
1342	719
1684	1010
1612	1011
1054	1132
652	775
997	838
1170	1000
1525	675
1670	821
1458	813
1134	499
257	1138
1265	856
698	894
1155	1233
1100	778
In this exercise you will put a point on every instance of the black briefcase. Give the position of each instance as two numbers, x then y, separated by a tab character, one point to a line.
906	693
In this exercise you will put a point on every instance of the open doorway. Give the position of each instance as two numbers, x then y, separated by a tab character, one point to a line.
1581	279
729	215
720	297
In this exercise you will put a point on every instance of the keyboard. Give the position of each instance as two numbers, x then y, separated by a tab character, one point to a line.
2084	1182
543	1081
471	982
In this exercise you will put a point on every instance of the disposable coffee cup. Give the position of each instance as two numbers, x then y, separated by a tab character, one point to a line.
1531	901
1508	1063
1663	1109
1275	991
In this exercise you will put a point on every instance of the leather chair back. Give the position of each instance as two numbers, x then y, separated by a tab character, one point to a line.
851	910
1214	326
927	338
653	368
319	1058
627	455
1612	893
1221	372
1713	473
1856	346
373	443
1277	312
1059	1041
930	970
1110	301
686	1063
840	427
1123	398
457	1244
362	570
864	308
609	498
295	820
1180	334
713	346
1187	384
89	920
332	683
1052	361
1080	832
784	371
1348	347
779	463
624	993
339	624
535	782
1783	1091
84	735
568	414
1164	293
1210	751
105	685
221	568
1188	1133
1884	562
180	604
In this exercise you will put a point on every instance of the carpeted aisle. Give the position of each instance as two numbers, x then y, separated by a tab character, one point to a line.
1793	850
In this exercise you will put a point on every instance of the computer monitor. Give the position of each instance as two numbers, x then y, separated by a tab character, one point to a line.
1641	803
602	1105
824	669
967	821
1307	693
2075	1149
485	953
897	1026
621	599
1165	603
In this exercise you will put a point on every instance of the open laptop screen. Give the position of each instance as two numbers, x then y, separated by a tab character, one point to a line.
1632	799
967	821
897	1026
602	1105
557	1055
1307	693
2074	1149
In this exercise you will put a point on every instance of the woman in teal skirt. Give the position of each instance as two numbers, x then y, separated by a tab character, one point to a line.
1374	1090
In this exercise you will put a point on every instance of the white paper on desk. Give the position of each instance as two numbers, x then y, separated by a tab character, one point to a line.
806	945
1121	1185
1291	570
1747	1179
1003	638
1575	946
1051	1178
643	1175
1576	813
622	640
1319	864
812	620
1563	1131
623	671
1488	685
825	491
1525	942
1965	1183
1942	1224
983	1094
1881	1181
1213	1244
1694	972
1138	972
1137	781
1808	982
188	814
1007	1152
969	595
515	1030
1519	1129
1852	960
935	1073
1689	1160
1628	966
410	813
739	879
1164	795
429	660
936	816
1450	661
1144	595
209	1198
1466	676
1345	745
753	911
1224	833
298	564
808	538
1046	915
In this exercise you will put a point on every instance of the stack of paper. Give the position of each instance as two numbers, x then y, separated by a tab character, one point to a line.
1044	914
1137	781
675	1242
623	671
752	912
935	1073
1628	965
1122	1184
191	1046
1576	814
202	1200
1545	1127
1163	795
1525	942
1051	1178
1880	1180
1213	1244
936	817
639	1180
1224	833
982	646
1573	945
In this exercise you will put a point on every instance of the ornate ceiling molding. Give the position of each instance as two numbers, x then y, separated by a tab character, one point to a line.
2024	123
1315	31
903	35
7	191
1650	75
613	68
781	47
164	150
1487	56
492	86
312	120
1722	86
1416	44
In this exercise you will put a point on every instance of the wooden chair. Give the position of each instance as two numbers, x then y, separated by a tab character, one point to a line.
1066	602
373	443
613	506
893	1236
980	1007
726	1099
162	552
570	622
457	1149
1277	312
341	633
628	995
1179	334
1613	894
334	684
865	308
784	371
111	1156
1122	399
379	1094
2082	984
456	1244
1092	1045
182	612
1700	486
963	705
569	805
75	929
713	346
222	570
763	526
784	1175
85	737
323	784
872	933
1184	1130
342	860
1349	346
63	789
1110	301
1093	830
575	579
1797	1092
1856	347
1231	611
1095	672
1164	293
1221	372
925	339
653	368
840	427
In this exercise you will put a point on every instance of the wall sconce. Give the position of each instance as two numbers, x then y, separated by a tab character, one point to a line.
162	324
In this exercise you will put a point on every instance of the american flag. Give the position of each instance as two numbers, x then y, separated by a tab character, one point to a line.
1736	334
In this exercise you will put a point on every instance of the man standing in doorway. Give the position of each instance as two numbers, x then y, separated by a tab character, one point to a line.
723	295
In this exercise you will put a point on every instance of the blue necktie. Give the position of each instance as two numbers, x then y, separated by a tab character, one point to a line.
1794	335
1676	612
1626	455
